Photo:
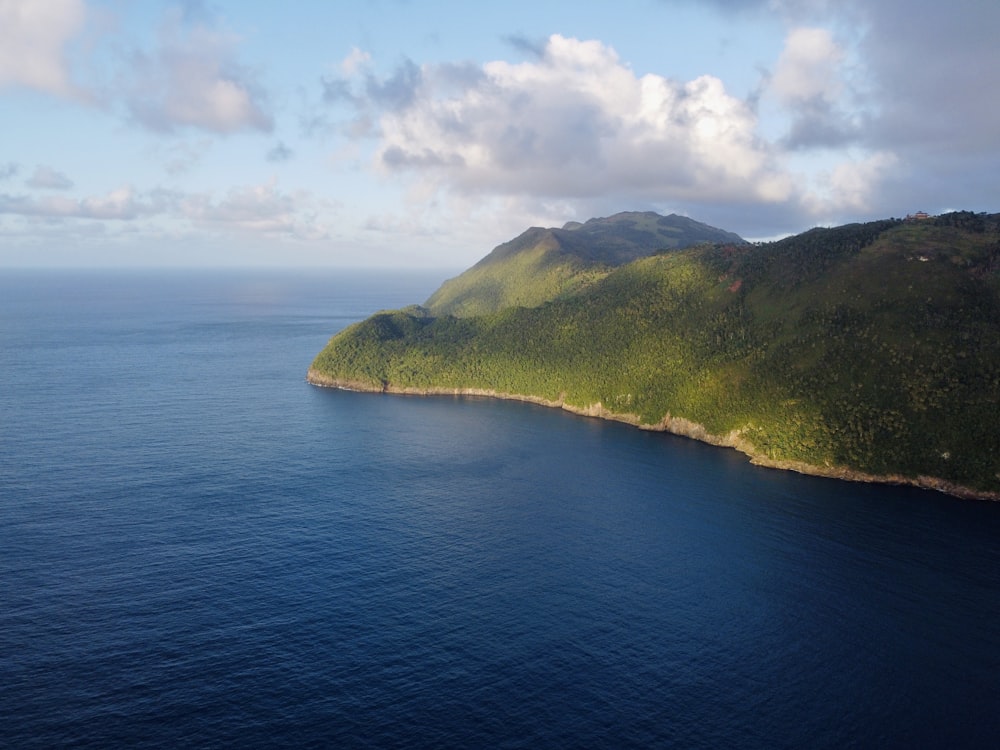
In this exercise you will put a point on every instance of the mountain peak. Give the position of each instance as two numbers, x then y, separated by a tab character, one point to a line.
543	263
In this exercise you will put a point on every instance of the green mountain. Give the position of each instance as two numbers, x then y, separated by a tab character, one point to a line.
543	264
867	351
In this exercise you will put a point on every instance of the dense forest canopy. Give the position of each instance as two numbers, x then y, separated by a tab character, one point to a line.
870	348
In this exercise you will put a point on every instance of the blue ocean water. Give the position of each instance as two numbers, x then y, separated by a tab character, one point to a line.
199	549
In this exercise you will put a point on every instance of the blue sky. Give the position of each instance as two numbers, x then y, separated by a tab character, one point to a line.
398	133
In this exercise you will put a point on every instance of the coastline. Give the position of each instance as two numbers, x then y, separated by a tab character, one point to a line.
673	425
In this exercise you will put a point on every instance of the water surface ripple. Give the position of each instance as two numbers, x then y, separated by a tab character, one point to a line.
199	549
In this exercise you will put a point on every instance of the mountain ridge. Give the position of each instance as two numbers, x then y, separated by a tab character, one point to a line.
867	351
544	263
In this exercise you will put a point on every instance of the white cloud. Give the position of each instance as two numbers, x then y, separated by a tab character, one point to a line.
807	68
193	80
46	178
851	188
853	184
815	89
578	123
33	39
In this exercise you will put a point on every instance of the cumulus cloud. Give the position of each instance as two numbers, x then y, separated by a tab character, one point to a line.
810	83
850	188
576	122
396	92
807	67
914	100
46	178
852	183
34	35
8	170
867	113
927	66
192	79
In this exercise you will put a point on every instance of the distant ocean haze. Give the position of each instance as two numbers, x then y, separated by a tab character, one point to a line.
199	548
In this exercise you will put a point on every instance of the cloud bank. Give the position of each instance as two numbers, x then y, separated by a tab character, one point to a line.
862	113
576	123
191	78
250	210
865	110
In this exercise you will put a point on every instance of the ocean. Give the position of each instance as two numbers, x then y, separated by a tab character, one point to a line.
199	549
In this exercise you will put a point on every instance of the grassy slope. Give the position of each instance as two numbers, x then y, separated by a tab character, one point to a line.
538	273
872	347
543	264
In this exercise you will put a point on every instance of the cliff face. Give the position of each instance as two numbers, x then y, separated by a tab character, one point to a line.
864	352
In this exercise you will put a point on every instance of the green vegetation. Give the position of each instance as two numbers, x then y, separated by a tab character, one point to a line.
869	347
545	264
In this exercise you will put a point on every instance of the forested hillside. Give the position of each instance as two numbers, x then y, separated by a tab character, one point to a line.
869	348
543	264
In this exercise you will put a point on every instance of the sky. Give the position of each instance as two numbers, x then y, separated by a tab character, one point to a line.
422	133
